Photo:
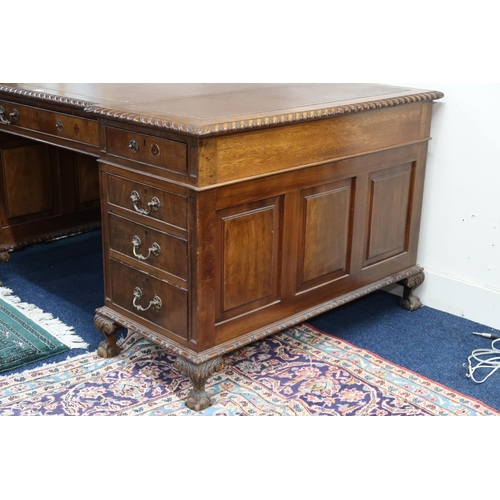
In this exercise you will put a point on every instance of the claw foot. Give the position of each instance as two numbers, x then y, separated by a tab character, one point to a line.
107	348
409	301
198	399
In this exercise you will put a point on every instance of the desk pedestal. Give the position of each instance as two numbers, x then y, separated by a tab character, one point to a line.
205	271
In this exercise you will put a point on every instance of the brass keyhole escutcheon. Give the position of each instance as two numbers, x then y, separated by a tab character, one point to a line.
60	125
155	150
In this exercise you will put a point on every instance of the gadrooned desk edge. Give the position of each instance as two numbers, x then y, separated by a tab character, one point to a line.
226	126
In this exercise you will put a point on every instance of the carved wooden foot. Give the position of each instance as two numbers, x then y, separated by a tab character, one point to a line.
198	399
107	348
409	301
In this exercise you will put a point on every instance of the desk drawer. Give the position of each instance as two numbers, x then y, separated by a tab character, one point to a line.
147	298
152	150
149	246
49	122
151	203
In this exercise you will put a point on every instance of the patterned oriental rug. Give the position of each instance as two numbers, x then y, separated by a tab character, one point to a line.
299	371
28	334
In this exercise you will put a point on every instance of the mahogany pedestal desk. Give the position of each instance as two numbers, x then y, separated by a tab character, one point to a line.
228	211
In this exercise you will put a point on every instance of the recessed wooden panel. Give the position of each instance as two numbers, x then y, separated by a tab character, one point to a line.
88	180
27	180
250	241
389	211
326	233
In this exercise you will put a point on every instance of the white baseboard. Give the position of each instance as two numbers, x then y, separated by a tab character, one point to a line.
459	297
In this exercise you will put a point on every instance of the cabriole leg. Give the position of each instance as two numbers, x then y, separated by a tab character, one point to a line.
198	399
409	301
107	348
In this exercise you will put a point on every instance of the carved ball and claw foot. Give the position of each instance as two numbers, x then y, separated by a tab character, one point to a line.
108	347
4	256
409	301
198	399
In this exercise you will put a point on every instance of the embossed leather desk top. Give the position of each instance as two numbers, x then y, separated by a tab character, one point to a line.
212	108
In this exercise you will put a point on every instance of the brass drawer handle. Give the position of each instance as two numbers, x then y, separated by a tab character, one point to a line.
60	125
155	249
133	146
156	302
13	116
154	204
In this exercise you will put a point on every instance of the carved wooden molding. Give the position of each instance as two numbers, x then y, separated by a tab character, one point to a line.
44	96
268	121
4	247
244	340
230	126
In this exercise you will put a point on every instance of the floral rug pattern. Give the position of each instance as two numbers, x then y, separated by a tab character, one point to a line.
297	372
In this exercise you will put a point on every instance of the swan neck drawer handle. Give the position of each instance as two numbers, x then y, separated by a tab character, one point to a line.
156	303
154	204
136	243
13	116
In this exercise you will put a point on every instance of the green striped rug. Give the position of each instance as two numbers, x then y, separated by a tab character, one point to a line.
28	334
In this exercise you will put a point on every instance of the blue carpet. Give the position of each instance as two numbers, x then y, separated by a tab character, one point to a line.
65	277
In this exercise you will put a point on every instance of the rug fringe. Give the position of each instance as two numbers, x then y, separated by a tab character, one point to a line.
70	359
54	326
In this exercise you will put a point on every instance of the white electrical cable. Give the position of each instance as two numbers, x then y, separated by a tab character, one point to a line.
484	359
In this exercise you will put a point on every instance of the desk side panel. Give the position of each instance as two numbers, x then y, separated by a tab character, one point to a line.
344	226
240	156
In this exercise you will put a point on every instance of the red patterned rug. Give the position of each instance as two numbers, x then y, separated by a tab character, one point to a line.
299	371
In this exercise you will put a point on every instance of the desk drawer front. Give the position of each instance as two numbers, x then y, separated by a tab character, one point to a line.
151	203
155	151
150	299
149	246
56	124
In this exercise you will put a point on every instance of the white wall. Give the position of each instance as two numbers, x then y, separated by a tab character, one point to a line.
460	233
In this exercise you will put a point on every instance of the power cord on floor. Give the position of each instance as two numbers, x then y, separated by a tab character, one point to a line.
484	359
